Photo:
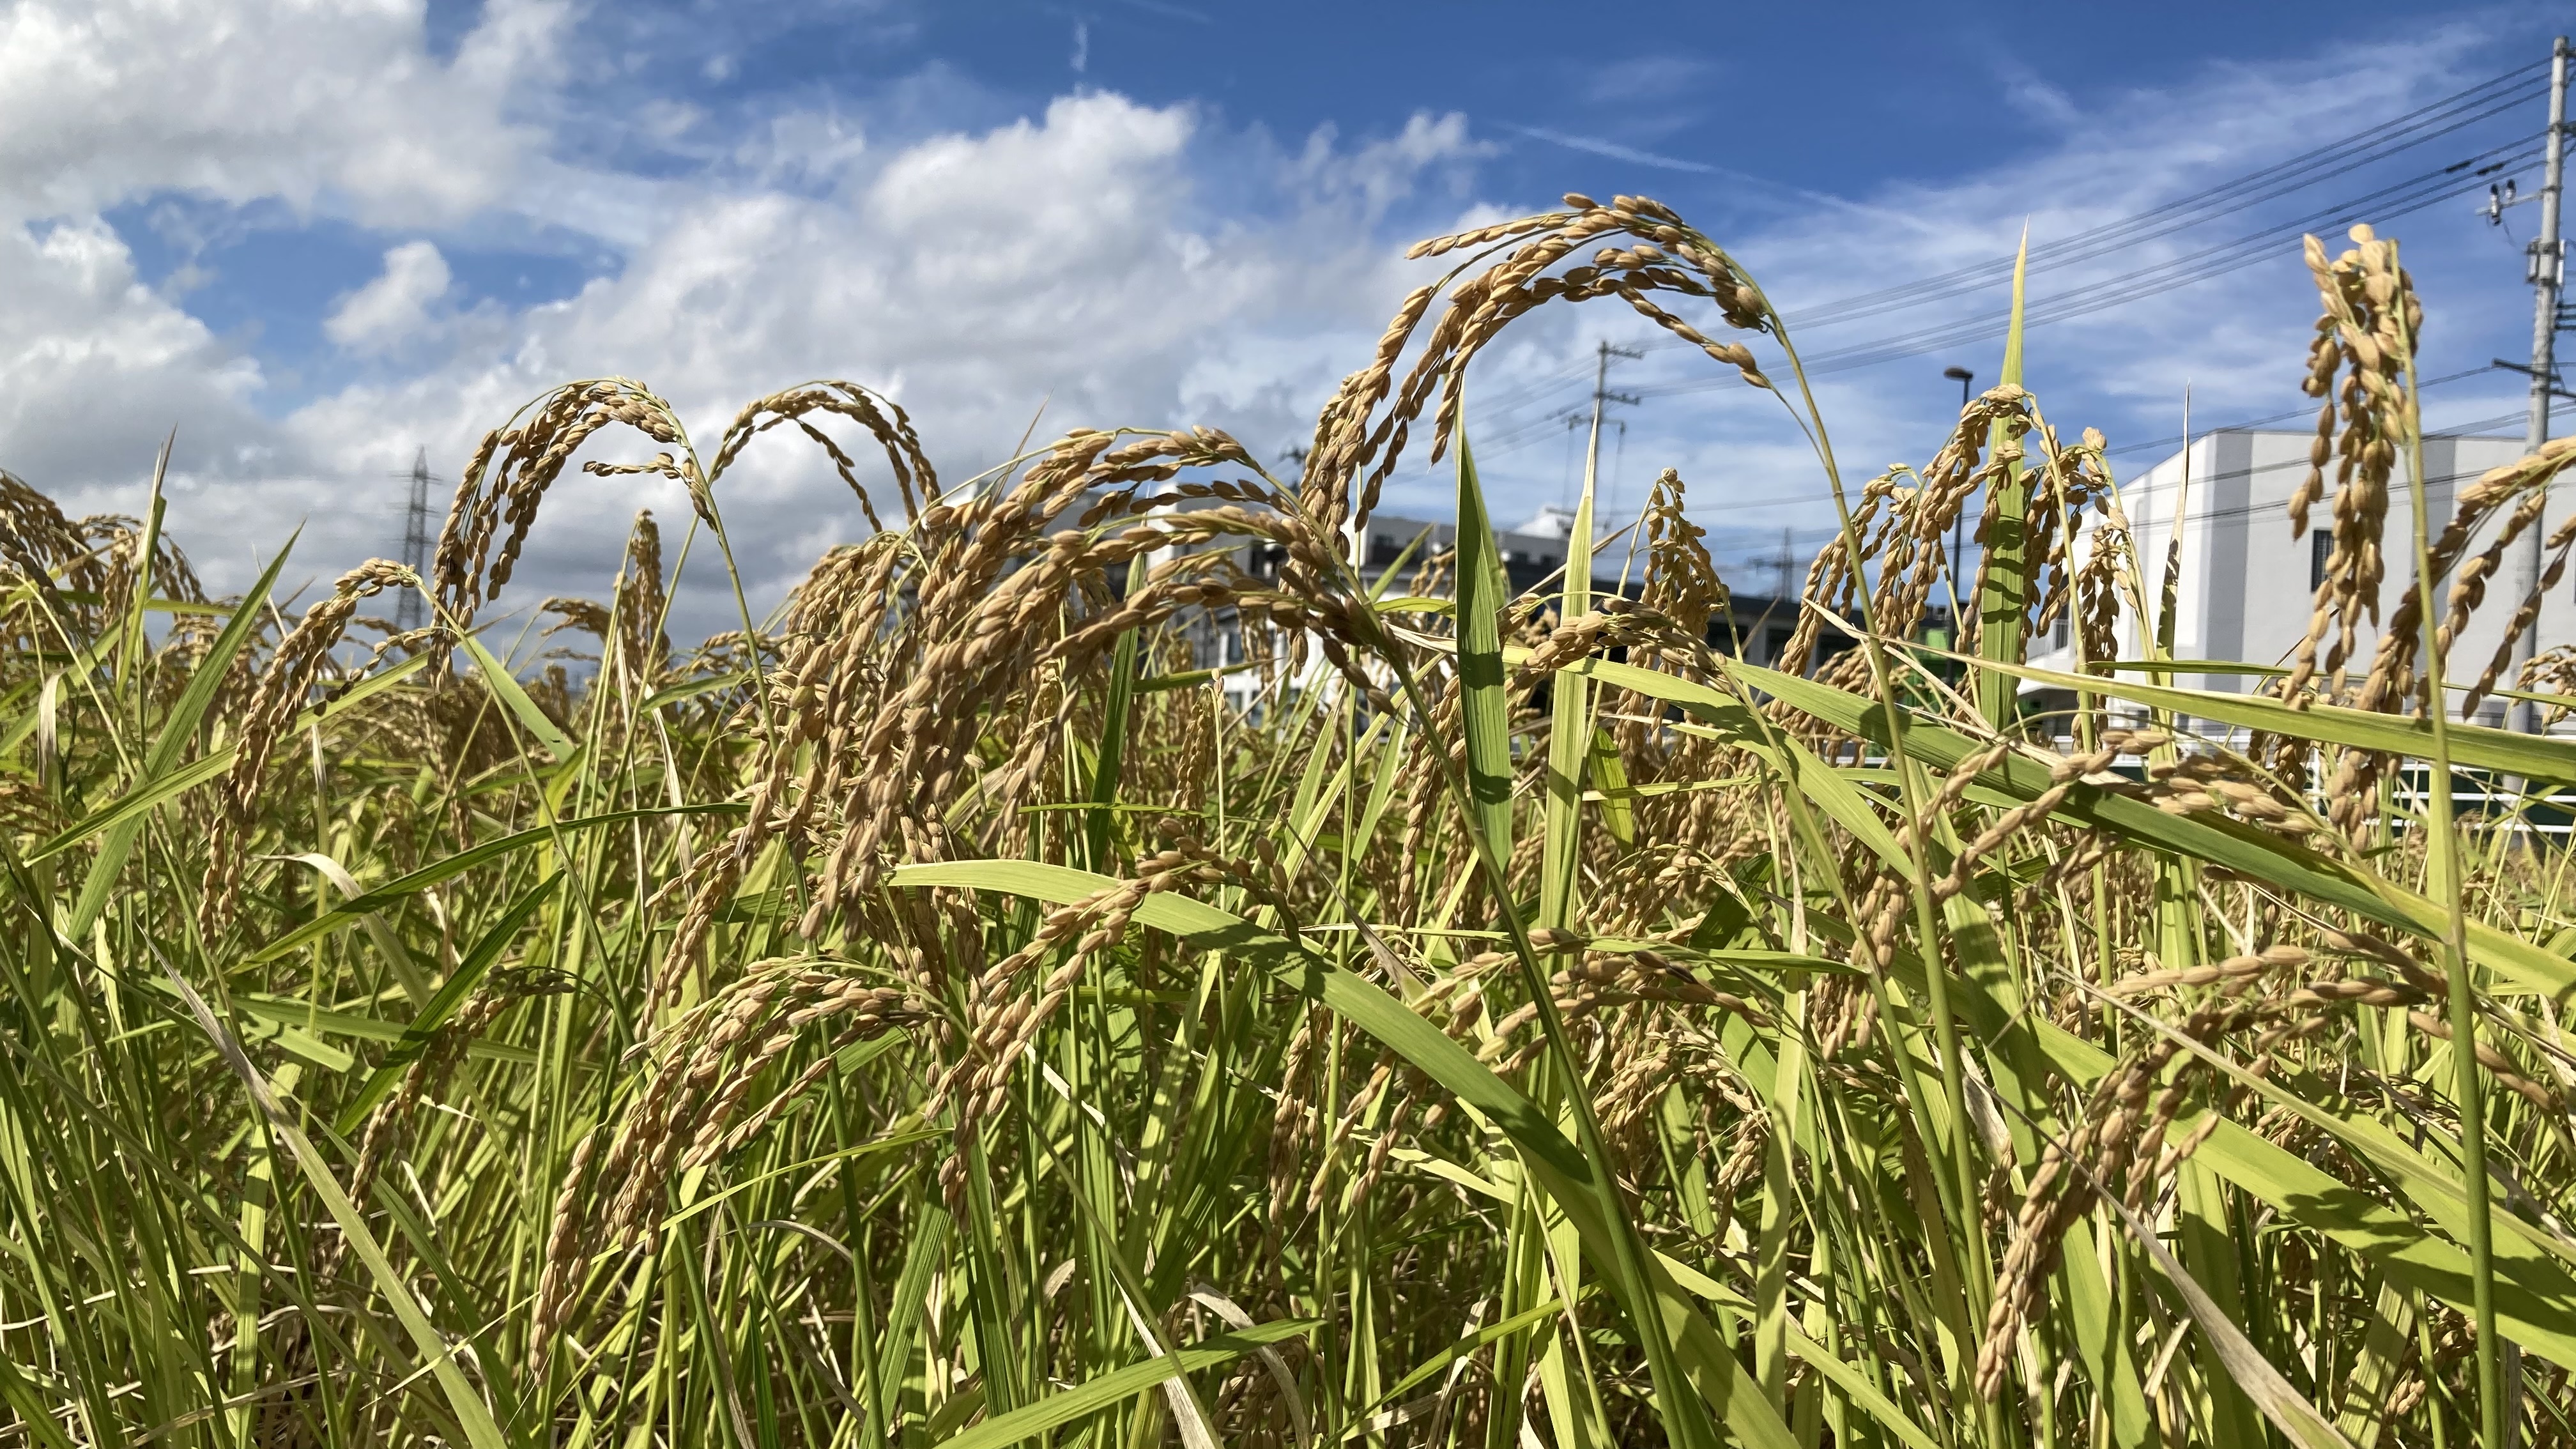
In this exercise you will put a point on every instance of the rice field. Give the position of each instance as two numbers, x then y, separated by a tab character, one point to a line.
952	1011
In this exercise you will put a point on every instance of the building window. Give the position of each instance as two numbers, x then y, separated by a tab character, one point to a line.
2057	636
1779	643
2320	549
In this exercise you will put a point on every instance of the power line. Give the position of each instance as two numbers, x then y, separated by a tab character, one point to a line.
1512	436
1520	394
2396	491
2307	411
1509	439
2397	199
1509	433
2401	199
1789	500
2477	103
2280	179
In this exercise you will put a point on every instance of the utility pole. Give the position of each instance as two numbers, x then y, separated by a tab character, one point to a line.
2547	265
2545	272
407	604
1602	397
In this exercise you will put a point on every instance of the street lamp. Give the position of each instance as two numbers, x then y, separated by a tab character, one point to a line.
1957	630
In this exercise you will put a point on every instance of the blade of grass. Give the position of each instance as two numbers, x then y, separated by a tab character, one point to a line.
2292	1414
497	677
187	777
450	995
472	1414
2004	596
2468	1082
350	911
178	728
1030	1421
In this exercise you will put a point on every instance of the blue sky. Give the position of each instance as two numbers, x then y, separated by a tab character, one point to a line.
317	237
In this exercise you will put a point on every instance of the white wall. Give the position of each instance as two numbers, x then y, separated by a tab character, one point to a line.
2246	588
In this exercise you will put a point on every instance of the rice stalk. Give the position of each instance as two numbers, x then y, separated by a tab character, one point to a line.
947	1010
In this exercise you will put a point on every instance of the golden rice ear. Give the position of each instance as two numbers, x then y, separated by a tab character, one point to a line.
586	615
692	1110
80	572
883	418
640	605
2365	332
2551	671
1362	432
1904	531
2525	480
274	703
513	467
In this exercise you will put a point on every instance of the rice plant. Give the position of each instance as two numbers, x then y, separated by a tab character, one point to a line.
950	1011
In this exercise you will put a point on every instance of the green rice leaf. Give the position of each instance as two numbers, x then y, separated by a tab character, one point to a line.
350	911
473	1416
2538	757
497	676
1120	1385
451	994
187	777
178	729
1481	594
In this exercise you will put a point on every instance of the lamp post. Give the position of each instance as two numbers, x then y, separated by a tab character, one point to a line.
1957	630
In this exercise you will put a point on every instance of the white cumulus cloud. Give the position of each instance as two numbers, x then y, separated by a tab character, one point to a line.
396	305
323	102
1071	259
84	341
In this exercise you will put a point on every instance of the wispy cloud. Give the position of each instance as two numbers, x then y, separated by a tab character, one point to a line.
2107	155
1662	78
1614	150
1744	185
1170	11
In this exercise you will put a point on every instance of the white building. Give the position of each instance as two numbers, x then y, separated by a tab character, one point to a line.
2247	588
